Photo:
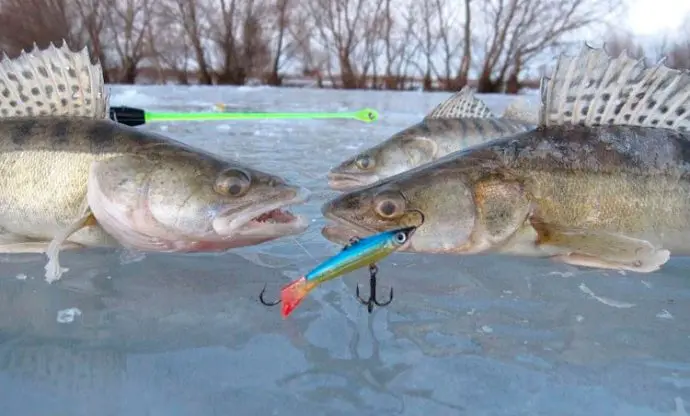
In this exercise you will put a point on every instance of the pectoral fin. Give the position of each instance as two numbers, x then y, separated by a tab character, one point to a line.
600	249
15	243
53	269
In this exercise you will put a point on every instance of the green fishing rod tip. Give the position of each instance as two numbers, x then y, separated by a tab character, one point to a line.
366	115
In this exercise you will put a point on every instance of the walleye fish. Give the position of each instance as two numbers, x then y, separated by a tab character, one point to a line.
460	122
354	256
71	178
603	182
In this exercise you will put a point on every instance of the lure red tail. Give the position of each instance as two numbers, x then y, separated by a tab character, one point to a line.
293	294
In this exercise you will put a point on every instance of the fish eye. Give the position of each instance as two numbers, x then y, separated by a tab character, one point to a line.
389	206
365	162
233	182
400	237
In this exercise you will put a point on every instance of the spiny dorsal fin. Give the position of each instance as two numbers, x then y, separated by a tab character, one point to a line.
594	88
523	111
52	82
461	104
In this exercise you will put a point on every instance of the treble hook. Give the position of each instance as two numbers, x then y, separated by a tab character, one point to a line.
373	269
261	298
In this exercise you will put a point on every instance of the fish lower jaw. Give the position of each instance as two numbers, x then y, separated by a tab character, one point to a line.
266	222
345	182
345	185
342	232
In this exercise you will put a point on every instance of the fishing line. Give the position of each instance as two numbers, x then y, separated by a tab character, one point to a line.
304	248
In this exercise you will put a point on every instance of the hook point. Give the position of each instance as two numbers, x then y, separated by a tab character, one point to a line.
263	301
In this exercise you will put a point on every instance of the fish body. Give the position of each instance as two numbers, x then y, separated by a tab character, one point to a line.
458	123
600	183
71	178
359	254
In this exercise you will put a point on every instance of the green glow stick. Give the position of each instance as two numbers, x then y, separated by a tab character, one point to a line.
135	116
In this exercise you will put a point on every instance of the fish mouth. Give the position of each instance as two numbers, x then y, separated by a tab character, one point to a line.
340	231
270	221
277	220
274	216
345	182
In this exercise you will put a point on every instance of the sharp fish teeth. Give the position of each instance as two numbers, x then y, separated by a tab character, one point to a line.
275	216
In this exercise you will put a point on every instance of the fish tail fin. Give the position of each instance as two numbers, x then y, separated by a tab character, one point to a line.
52	82
594	88
292	294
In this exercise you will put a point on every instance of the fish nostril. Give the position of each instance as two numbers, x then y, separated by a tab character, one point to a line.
276	182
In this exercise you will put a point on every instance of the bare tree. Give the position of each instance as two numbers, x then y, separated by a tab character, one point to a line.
128	21
92	16
168	43
520	30
357	43
313	60
674	51
190	15
406	51
241	44
255	52
446	21
428	39
377	26
341	26
24	23
439	43
618	42
398	38
284	49
679	53
466	60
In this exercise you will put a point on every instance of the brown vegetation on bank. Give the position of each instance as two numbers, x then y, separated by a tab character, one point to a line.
382	44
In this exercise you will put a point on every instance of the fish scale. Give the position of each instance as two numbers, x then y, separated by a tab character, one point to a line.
460	122
71	178
603	181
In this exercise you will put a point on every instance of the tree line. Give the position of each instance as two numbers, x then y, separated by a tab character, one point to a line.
384	44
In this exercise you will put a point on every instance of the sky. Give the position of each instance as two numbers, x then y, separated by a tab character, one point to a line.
652	17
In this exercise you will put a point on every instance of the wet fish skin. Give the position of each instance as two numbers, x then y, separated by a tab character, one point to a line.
619	179
45	165
582	188
419	144
72	178
458	123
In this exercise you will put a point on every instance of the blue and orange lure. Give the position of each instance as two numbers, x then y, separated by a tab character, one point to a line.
359	253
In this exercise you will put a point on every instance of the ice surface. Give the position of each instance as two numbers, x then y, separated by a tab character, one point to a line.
185	335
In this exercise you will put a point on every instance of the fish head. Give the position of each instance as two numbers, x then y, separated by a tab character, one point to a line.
401	152
440	202
175	199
